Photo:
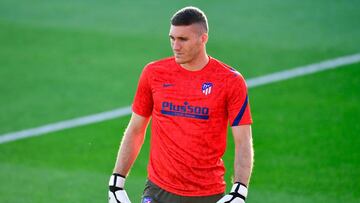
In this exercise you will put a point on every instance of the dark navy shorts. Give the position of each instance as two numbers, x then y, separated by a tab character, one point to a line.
154	194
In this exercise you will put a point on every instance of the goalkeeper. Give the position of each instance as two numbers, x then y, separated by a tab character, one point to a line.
190	97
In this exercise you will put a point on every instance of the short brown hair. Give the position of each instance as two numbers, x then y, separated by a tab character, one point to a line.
188	16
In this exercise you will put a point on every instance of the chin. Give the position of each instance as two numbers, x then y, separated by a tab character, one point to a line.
181	60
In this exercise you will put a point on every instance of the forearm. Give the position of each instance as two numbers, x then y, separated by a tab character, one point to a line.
243	165
243	162
129	149
128	152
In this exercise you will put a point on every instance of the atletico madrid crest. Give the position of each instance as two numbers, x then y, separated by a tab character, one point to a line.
147	200
206	88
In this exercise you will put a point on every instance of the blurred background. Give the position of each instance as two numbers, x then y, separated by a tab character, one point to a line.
65	59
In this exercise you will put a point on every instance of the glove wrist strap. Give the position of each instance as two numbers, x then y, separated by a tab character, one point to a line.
240	190
117	180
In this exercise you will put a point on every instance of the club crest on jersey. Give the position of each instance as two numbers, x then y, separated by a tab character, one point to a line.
206	88
147	200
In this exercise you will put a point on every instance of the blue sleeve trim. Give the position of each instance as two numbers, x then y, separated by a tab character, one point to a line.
241	113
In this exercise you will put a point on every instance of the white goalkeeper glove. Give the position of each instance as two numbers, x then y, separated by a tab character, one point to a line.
117	194
237	194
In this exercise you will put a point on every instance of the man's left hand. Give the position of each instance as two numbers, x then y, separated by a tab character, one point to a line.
237	194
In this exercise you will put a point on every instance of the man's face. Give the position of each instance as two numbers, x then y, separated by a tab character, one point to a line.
187	42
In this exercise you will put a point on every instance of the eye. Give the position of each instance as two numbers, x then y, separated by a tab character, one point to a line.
184	39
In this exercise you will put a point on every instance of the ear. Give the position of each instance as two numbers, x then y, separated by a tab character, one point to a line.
204	38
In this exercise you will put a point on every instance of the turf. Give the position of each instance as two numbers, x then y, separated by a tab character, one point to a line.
295	161
63	59
53	52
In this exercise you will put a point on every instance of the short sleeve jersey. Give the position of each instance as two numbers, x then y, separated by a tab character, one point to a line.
190	113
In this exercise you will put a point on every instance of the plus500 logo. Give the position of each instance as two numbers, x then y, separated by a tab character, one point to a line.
186	110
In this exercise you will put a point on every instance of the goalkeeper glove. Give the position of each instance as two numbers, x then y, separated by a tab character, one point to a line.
117	194
237	194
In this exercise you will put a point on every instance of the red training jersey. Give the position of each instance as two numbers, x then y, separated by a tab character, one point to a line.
190	112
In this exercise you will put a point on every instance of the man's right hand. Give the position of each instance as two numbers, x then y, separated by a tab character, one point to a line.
117	194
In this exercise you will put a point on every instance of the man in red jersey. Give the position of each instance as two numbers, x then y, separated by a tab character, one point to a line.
191	97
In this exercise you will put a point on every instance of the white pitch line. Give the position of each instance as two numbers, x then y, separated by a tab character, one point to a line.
253	82
303	70
76	122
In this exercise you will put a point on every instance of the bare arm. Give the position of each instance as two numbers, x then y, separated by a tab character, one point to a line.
244	153
131	144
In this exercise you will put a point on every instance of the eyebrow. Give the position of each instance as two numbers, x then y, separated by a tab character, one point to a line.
181	38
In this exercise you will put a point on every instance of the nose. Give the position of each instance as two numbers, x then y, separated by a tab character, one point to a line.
176	45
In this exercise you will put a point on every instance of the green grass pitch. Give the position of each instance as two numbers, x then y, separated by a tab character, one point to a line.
64	59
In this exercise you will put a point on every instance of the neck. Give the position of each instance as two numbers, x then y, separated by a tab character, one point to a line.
197	64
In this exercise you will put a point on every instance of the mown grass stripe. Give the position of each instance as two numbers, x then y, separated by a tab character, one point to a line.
115	113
